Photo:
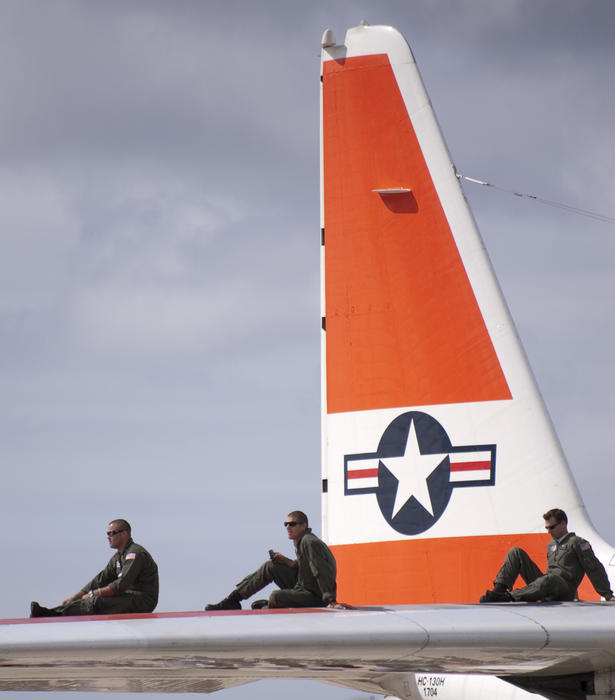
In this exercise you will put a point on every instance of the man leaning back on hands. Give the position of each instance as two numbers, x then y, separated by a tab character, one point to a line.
569	558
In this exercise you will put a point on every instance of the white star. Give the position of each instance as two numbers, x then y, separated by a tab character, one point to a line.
411	471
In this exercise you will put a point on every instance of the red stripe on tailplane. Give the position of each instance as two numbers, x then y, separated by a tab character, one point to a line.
403	327
438	570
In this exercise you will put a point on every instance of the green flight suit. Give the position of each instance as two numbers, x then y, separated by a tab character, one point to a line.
308	583
132	575
567	562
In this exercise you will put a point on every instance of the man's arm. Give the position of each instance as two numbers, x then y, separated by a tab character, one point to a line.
78	595
98	583
105	591
323	568
594	569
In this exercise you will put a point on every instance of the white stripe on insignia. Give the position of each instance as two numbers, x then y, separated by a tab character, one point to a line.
473	475
359	483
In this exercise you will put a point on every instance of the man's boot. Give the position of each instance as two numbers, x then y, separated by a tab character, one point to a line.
37	610
499	594
231	602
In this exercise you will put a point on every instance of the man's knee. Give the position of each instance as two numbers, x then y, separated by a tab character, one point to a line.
523	563
268	569
513	562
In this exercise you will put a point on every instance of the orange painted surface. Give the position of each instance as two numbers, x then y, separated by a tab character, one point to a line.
402	323
448	570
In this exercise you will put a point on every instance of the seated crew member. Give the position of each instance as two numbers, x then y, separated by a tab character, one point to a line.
128	584
569	558
305	582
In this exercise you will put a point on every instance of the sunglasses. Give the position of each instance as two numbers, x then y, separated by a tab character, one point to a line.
110	533
291	523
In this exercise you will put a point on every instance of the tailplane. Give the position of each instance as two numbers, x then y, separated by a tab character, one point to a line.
438	453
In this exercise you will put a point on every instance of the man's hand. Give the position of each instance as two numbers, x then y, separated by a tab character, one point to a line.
77	596
281	559
339	606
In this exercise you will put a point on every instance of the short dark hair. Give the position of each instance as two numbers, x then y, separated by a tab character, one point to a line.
556	513
121	524
299	516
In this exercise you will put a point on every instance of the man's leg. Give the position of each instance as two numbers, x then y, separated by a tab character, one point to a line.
516	563
112	605
295	598
125	603
270	572
98	605
547	587
83	606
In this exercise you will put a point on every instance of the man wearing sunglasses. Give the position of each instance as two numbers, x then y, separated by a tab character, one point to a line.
128	584
569	558
305	582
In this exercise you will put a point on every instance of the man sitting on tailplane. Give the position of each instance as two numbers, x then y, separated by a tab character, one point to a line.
569	558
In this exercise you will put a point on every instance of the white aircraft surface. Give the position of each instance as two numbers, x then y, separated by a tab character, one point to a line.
438	455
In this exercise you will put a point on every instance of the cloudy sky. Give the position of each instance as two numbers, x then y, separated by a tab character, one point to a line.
159	263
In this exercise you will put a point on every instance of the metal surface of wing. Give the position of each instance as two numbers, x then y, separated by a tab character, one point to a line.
365	649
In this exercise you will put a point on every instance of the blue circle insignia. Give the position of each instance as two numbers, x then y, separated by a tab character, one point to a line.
413	517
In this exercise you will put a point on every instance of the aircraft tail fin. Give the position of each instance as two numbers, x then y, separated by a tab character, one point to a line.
438	453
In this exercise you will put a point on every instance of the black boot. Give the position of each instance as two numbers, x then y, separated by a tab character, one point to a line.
231	602
37	610
495	596
259	604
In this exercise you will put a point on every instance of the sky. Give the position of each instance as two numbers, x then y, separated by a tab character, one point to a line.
159	264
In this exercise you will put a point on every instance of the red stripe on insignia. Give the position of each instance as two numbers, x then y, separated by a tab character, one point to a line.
470	466
362	473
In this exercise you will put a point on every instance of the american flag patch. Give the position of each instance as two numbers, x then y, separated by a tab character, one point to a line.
132	555
585	545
